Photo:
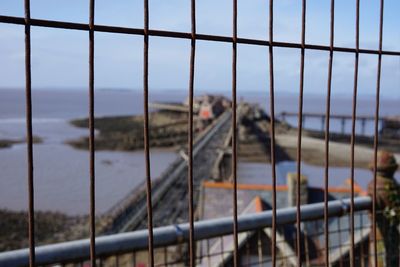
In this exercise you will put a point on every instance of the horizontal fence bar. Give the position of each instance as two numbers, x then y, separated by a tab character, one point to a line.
186	35
175	234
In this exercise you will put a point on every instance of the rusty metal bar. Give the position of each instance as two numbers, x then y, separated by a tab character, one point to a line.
208	253
247	254
92	214
376	141
185	35
362	244
222	248
29	138
259	249
353	130
234	136
192	250
117	260
300	126
272	128
327	125
165	251
146	129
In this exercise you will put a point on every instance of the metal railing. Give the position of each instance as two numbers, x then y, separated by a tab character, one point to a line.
235	225
117	244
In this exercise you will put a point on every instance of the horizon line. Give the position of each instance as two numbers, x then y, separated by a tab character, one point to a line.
202	90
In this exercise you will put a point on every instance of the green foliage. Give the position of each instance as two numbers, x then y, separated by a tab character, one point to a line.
392	211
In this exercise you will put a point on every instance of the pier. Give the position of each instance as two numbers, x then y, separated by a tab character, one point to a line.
170	189
344	119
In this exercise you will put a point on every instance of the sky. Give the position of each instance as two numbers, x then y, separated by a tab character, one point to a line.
60	57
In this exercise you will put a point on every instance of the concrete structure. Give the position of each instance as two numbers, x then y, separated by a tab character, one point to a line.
292	189
211	106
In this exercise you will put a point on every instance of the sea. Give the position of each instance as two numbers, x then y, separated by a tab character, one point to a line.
61	173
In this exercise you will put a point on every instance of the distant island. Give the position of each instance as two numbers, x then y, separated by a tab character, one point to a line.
125	133
168	125
168	129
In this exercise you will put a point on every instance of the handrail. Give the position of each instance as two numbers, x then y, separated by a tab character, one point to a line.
175	234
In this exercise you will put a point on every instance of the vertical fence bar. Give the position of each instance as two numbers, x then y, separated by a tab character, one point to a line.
91	136
29	139
340	241
222	248
353	130
259	249
327	125
272	126
234	136
165	251
300	126
190	135
247	247
208	253
117	260
378	89
362	256
146	129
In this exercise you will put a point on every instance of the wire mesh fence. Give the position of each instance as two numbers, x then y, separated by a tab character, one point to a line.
264	246
255	247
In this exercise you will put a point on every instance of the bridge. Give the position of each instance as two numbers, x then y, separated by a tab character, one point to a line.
343	119
170	188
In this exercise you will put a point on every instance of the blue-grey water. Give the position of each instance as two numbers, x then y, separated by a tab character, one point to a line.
340	105
62	174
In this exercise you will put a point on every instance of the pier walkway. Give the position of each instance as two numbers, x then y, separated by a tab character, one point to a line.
170	191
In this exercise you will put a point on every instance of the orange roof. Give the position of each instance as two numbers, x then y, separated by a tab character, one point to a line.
258	203
228	185
266	187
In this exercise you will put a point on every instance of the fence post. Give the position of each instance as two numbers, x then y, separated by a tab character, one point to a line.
387	209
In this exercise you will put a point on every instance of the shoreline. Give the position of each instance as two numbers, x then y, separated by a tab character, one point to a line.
8	143
50	227
167	131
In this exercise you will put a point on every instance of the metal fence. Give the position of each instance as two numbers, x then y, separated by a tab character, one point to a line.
214	240
193	36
